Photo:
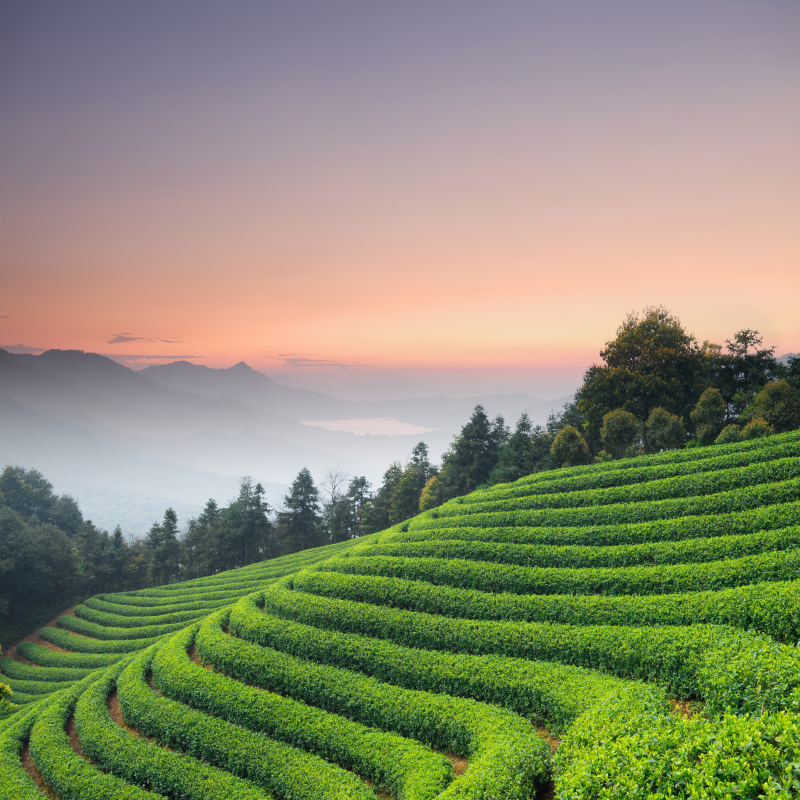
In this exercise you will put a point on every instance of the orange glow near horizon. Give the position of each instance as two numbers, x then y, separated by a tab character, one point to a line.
498	214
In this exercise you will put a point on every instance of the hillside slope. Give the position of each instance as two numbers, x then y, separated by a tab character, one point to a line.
644	611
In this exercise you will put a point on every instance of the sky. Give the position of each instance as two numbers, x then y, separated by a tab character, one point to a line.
474	194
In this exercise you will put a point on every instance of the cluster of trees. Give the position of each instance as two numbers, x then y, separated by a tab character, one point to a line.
658	389
49	554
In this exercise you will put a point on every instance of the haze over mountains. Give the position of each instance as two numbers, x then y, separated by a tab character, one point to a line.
127	444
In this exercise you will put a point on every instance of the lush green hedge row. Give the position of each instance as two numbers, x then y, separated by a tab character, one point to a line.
688	486
134	602
70	775
101	631
671	457
769	608
722	480
142	763
680	552
667	579
45	657
177	592
15	783
23	698
82	644
673	529
403	765
274	766
637	474
153	625
23	687
621	750
722	503
26	672
555	694
506	756
127	610
722	665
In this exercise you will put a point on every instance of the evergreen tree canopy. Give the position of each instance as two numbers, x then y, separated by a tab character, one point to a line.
473	454
652	362
301	517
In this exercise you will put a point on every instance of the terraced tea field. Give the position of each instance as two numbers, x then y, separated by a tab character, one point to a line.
638	617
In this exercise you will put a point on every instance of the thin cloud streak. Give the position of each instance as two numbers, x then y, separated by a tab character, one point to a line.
298	361
124	338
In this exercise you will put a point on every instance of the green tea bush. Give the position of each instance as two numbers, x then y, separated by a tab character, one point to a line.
623	752
674	529
462	726
576	556
82	644
70	775
720	574
667	488
675	656
637	474
45	657
621	513
27	672
274	766
771	608
143	763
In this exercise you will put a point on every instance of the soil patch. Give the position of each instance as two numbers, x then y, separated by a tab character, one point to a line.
35	775
684	708
460	763
115	712
553	741
546	792
74	740
36	639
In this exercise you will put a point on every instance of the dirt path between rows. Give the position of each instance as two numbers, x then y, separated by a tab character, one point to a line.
36	639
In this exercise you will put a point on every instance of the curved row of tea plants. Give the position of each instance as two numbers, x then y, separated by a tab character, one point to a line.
586	601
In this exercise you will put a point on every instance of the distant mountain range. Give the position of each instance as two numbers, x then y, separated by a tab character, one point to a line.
179	433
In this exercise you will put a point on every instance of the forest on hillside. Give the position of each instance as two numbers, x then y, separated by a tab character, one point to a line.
657	389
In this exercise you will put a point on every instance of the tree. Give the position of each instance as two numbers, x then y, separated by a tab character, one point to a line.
528	448
473	454
376	512
708	415
570	448
335	508
756	428
777	403
163	548
5	692
740	372
652	362
429	497
729	434
665	431
247	526
406	496
27	492
40	563
301	517
65	513
620	430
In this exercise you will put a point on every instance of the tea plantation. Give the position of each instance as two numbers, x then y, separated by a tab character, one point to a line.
622	630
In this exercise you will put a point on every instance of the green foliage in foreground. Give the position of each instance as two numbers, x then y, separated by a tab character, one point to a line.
592	597
463	726
646	755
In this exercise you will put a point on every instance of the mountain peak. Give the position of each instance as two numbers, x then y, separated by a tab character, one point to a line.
241	367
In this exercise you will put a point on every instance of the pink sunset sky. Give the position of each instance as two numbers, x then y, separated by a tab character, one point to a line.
463	192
